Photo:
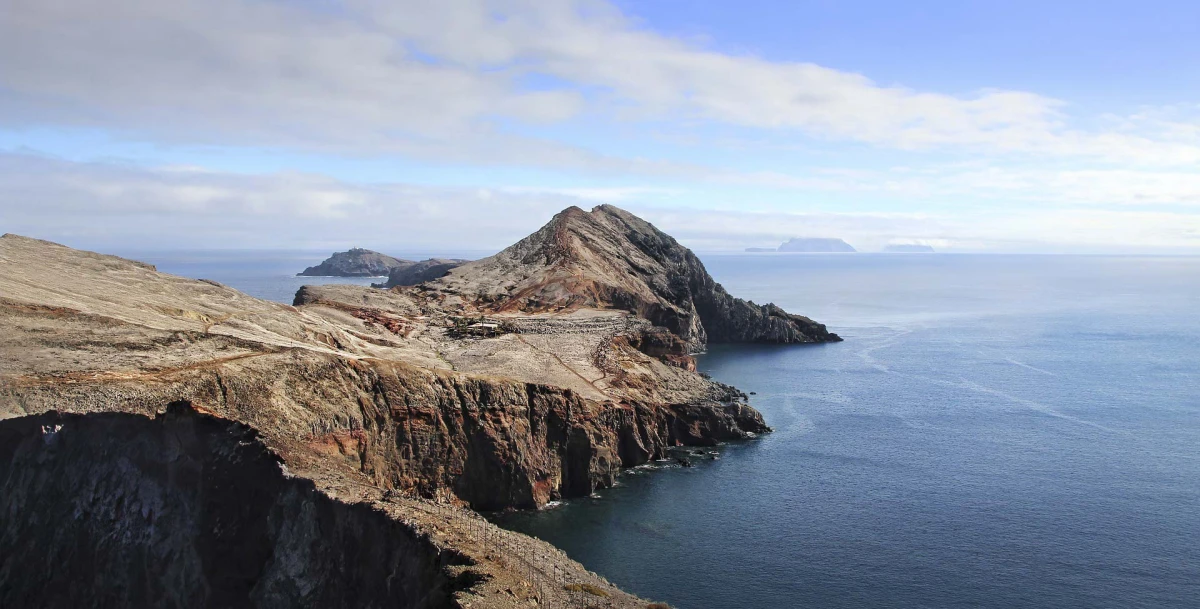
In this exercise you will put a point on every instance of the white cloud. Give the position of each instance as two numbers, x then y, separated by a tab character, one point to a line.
97	204
110	206
448	80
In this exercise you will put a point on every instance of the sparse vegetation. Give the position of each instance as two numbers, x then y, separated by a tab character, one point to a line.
658	606
589	588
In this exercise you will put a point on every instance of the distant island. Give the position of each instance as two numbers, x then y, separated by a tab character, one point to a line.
908	248
357	262
809	245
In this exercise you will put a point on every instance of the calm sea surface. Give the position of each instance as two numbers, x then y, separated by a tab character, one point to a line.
996	431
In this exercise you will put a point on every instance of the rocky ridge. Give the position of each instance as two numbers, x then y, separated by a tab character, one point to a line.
419	272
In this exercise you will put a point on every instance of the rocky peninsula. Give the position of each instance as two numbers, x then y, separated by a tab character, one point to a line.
333	452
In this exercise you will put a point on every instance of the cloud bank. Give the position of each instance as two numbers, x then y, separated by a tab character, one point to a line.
106	205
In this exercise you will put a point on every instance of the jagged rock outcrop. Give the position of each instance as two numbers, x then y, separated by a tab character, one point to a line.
609	258
816	245
419	272
356	262
188	510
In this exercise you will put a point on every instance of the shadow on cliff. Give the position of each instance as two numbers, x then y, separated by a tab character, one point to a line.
190	510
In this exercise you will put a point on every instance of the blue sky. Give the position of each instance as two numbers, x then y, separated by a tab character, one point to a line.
971	126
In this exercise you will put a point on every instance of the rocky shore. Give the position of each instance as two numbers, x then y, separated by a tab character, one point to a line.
370	415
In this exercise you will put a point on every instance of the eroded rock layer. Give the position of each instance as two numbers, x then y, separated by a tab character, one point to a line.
492	443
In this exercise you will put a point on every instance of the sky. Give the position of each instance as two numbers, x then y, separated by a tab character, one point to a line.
402	125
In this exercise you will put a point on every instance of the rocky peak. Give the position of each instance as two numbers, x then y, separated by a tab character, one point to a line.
610	258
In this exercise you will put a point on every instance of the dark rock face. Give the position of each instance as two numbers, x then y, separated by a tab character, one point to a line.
187	510
420	272
609	258
357	262
816	245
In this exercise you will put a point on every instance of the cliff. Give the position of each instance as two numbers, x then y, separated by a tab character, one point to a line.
816	245
356	262
611	259
209	506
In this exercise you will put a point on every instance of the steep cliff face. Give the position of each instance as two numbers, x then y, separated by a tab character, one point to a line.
491	443
186	510
356	262
609	258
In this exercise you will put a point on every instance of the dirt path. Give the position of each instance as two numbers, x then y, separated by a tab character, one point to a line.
563	364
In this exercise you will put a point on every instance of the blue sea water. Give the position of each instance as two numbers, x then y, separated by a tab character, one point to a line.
995	431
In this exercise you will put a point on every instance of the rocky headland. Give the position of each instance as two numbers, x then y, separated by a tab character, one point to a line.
356	262
419	272
332	452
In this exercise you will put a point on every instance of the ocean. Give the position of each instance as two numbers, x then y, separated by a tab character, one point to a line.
995	432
